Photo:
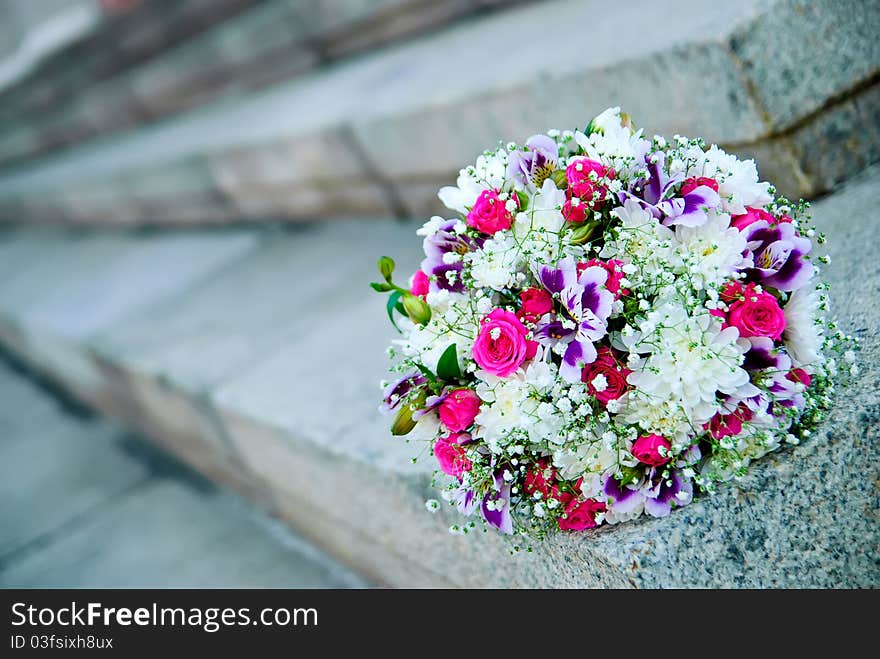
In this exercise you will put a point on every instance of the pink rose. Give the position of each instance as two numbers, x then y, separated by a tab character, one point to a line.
501	347
646	449
450	454
535	303
693	183
614	268
420	284
606	365
459	409
489	213
757	314
581	514
751	216
574	212
579	174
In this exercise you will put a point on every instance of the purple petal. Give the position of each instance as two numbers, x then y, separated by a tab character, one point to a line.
465	501
794	274
761	355
500	519
577	355
621	499
557	279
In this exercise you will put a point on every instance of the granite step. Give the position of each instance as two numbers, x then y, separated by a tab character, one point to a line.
255	354
791	82
239	46
86	503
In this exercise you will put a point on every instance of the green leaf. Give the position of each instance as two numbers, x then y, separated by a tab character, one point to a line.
447	367
381	288
393	301
523	200
426	372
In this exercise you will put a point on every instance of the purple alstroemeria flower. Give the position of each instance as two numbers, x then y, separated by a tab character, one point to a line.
773	367
778	255
657	195
397	391
466	500
586	305
499	515
621	498
668	492
535	164
445	241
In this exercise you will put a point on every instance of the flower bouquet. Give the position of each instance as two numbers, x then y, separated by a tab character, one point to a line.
606	323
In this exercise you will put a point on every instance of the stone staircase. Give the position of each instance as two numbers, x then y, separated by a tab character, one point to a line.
223	344
790	82
165	56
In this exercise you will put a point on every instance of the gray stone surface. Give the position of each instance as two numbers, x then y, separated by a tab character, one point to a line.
371	134
288	414
84	504
198	339
264	43
805	52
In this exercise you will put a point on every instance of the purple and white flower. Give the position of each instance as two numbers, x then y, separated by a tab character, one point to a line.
778	254
536	163
658	195
585	306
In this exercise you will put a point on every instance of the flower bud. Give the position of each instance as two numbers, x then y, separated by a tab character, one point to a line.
386	268
417	309
559	178
404	422
584	233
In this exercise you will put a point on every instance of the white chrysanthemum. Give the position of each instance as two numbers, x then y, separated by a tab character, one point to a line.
738	184
502	410
495	266
690	360
614	144
487	173
641	239
712	252
544	212
802	336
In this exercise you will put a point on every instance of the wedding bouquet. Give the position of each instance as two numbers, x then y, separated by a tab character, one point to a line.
604	322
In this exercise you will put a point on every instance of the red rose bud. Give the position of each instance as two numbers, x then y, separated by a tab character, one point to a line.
581	514
751	216
800	375
693	183
605	379
535	303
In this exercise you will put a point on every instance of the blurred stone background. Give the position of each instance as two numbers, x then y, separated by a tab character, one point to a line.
192	197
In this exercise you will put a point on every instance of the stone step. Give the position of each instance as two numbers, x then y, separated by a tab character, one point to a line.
85	503
258	364
789	81
257	44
